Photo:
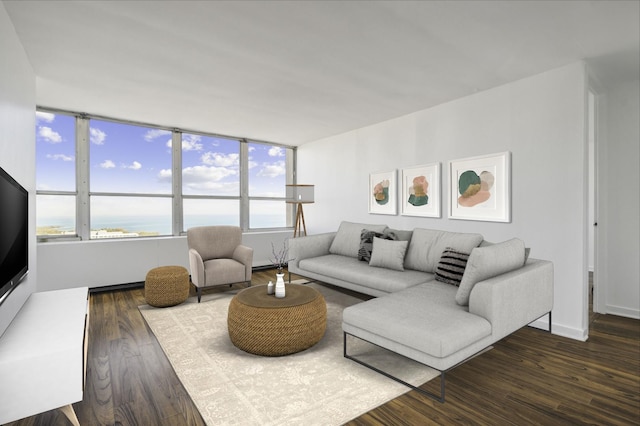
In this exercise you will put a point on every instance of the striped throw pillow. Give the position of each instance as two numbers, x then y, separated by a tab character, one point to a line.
451	266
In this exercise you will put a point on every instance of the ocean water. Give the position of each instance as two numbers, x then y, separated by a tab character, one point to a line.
160	225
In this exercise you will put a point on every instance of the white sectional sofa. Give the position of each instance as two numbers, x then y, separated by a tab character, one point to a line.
426	308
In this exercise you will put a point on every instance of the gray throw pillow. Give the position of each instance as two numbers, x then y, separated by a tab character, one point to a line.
347	239
487	262
388	254
366	242
451	266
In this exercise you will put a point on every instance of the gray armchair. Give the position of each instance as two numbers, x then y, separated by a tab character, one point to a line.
217	257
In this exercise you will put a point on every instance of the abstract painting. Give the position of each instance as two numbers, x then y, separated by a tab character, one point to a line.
382	193
420	194
481	188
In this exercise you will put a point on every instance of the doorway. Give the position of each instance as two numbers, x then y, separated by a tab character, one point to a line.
592	221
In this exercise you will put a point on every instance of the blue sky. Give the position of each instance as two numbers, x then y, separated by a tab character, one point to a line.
126	158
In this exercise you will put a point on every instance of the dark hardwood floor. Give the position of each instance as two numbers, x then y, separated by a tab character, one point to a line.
530	377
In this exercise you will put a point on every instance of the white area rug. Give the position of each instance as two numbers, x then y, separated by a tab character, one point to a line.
317	386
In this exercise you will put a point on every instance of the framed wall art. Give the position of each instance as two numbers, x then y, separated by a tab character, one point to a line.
481	188
420	191
382	193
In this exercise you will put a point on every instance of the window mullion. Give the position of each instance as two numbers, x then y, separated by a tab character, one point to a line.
83	226
244	185
176	178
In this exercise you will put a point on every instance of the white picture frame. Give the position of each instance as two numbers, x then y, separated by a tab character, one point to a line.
383	193
420	193
480	188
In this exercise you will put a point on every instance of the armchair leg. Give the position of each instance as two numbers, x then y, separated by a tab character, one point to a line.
199	293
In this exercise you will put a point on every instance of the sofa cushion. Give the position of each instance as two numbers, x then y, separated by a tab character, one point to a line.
451	266
424	317
427	245
347	239
401	234
346	269
366	242
487	262
388	253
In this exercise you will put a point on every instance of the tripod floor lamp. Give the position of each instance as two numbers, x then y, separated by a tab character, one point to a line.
299	195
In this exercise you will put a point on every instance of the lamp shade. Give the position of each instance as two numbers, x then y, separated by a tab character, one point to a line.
299	194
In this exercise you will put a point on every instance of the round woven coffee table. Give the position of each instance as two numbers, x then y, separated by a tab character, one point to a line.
262	324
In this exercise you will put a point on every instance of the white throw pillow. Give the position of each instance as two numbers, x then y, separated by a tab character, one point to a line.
388	254
487	262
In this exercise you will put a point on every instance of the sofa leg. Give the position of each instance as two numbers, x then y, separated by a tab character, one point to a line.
439	398
199	293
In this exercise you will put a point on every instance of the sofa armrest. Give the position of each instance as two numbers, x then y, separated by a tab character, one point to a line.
197	268
306	247
514	299
244	255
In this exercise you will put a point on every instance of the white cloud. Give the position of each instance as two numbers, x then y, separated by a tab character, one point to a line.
191	142
49	135
60	157
97	136
164	175
199	179
47	117
198	174
107	164
133	166
276	151
272	170
220	159
155	133
252	164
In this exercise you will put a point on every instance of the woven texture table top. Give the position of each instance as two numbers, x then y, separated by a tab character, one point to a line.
295	295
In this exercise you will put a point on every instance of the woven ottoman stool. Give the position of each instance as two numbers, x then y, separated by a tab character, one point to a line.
166	286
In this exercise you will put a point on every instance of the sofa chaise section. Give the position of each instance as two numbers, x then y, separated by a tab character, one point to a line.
424	323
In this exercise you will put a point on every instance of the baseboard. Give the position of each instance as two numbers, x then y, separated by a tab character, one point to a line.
116	287
623	312
570	332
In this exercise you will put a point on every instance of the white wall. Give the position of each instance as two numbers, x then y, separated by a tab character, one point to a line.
618	250
110	262
17	146
541	120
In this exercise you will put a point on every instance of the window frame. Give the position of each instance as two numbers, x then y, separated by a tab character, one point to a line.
83	192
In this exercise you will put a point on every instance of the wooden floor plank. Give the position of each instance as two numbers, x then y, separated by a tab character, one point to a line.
529	377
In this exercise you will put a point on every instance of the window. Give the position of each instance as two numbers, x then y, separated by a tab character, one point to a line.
55	174
130	180
125	161
269	172
210	180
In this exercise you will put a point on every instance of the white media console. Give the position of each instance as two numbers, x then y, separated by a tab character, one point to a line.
43	355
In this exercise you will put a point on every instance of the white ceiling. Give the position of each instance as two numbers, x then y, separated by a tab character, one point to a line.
297	71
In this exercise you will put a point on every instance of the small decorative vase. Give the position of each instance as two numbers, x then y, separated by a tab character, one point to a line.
270	288
280	286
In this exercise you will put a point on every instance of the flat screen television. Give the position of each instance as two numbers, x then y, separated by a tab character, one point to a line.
14	234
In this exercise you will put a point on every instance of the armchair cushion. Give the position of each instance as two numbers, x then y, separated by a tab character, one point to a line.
217	256
224	271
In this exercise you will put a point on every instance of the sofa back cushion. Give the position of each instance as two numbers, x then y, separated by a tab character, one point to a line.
427	245
401	234
347	239
488	262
